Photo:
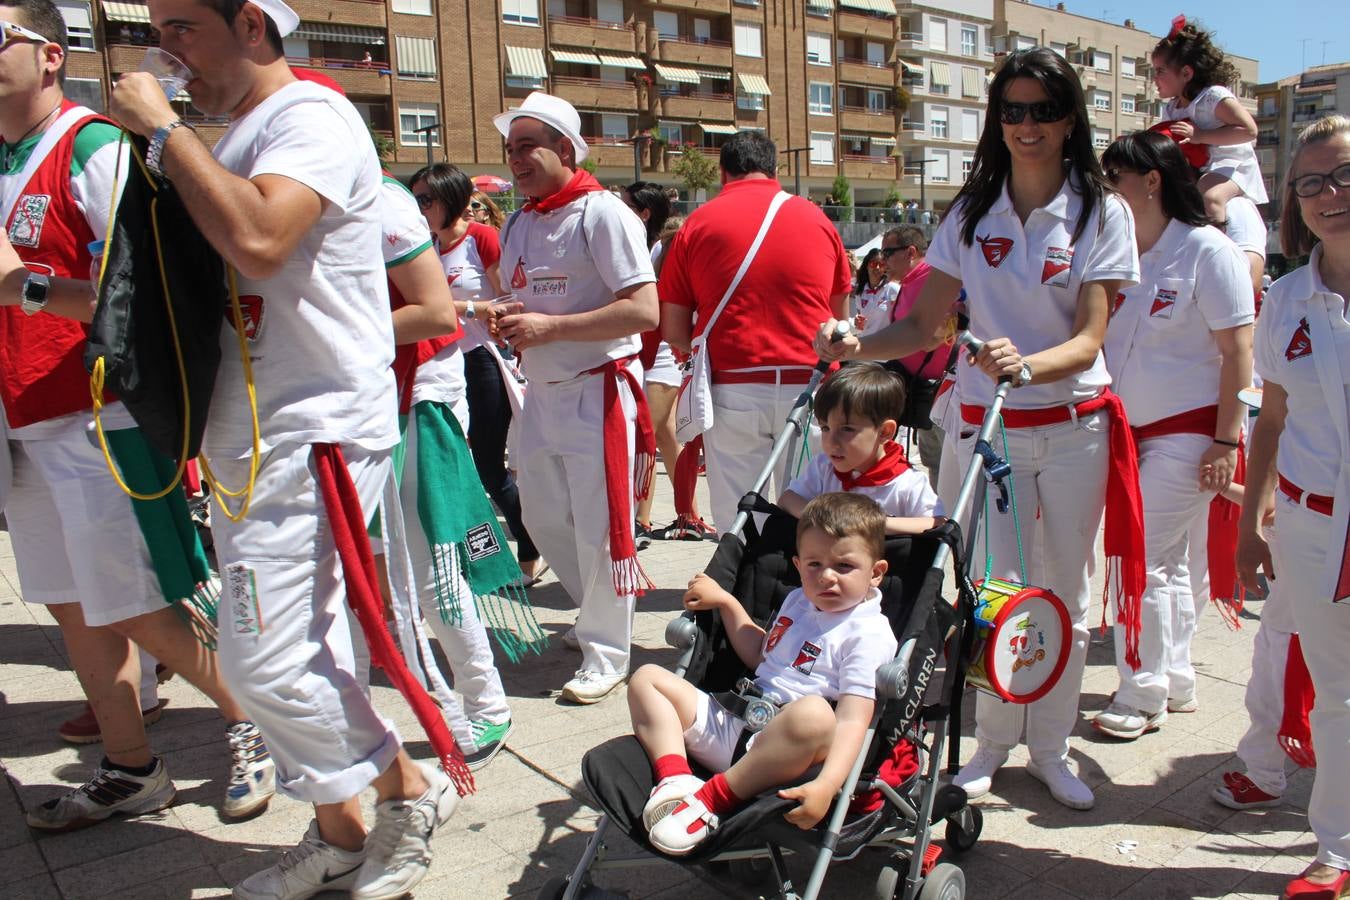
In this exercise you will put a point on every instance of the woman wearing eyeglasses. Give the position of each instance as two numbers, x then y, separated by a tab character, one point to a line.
1301	450
873	294
1179	348
1041	245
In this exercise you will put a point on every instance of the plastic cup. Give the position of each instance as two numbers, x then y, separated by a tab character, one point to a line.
170	71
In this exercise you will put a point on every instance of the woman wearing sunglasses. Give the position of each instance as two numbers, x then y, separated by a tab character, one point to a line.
1179	348
1301	451
1041	245
483	211
873	293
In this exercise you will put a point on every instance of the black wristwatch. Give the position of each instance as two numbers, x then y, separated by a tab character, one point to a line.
34	294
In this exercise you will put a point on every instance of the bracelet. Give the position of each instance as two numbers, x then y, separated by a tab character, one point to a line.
1223	443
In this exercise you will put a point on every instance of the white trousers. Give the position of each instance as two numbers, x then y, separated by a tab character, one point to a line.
1169	481
562	495
1059	477
1303	542
285	643
746	419
1259	749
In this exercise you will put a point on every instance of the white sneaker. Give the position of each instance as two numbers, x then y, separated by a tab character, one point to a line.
667	795
569	639
591	687
253	776
1187	705
110	792
310	868
687	826
398	848
977	776
1064	785
1127	723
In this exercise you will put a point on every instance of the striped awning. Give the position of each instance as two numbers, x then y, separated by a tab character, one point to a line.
526	62
415	56
885	7
970	82
942	73
910	67
339	34
622	62
126	12
580	57
714	75
820	4
754	84
677	74
884	141
718	129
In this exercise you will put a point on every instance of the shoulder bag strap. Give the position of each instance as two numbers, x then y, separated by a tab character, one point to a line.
14	186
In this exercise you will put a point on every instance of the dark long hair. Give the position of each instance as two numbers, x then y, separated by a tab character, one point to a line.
1193	46
993	162
448	184
861	282
650	198
1148	151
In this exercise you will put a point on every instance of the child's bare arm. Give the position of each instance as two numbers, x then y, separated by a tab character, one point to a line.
792	503
744	634
852	715
911	524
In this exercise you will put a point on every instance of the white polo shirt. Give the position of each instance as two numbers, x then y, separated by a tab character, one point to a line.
465	266
1246	228
908	494
1160	347
875	304
1310	449
1022	283
570	260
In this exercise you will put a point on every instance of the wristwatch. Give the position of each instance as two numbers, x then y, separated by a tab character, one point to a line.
154	153
34	293
1023	377
469	311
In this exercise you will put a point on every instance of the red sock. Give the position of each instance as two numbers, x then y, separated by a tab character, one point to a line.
717	796
670	764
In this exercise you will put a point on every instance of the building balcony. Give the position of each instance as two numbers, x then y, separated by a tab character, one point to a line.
591	93
874	27
607	152
821	169
689	50
124	57
863	71
860	118
370	13
910	41
711	7
698	107
352	75
880	167
573	31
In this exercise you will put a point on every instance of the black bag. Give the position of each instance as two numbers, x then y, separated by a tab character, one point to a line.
920	393
160	308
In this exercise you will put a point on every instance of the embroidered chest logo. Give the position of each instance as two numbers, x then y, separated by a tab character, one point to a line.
518	279
1117	303
1163	304
251	307
1300	345
995	250
806	658
453	277
776	633
29	215
1055	269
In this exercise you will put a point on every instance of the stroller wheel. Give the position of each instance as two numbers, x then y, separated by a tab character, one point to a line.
889	879
963	828
554	889
945	882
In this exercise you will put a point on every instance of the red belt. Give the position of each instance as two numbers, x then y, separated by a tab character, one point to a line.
1037	418
1318	503
785	375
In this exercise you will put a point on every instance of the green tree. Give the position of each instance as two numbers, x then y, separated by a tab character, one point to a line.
696	169
384	144
588	164
842	191
892	197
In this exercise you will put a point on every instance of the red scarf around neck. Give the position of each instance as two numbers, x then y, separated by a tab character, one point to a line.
890	467
582	183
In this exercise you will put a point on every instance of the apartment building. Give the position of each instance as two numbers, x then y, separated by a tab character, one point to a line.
1287	106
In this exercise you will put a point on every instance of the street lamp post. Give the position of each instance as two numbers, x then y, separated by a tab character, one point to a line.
638	140
428	129
923	172
797	168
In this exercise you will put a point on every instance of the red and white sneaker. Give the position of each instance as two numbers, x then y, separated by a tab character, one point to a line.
1239	792
686	529
687	826
667	795
1302	888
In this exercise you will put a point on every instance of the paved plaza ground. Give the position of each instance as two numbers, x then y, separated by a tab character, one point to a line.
1154	833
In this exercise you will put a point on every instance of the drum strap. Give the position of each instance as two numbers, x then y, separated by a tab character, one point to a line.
1017	522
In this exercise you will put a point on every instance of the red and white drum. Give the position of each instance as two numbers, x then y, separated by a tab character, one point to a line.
1021	642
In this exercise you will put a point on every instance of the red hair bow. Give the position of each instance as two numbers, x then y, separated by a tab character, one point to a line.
1177	24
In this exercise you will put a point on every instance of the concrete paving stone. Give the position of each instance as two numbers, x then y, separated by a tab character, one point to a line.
1274	873
20	863
1282	828
109	874
1195	801
1037	890
1220	861
1191	758
105	840
199	882
282	825
1169	884
37	887
533	828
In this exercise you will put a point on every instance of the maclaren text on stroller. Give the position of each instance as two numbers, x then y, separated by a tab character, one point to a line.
918	704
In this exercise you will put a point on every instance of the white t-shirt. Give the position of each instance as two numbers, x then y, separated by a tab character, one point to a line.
809	652
1160	347
320	333
1234	161
570	260
874	305
1310	450
1246	228
908	494
465	265
1022	283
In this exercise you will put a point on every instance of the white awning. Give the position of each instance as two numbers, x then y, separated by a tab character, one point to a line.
884	141
715	75
885	7
622	62
970	82
754	84
526	62
718	129
677	74
820	4
942	73
339	34
580	57
126	12
415	56
909	66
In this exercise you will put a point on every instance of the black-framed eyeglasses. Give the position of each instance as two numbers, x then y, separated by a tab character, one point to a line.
888	252
1311	185
1045	111
424	201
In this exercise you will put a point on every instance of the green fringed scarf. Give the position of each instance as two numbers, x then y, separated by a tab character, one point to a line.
175	550
462	529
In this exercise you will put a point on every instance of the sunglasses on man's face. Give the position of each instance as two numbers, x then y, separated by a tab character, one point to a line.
1045	111
888	252
13	33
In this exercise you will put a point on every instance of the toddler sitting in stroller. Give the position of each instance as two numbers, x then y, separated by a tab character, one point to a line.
825	645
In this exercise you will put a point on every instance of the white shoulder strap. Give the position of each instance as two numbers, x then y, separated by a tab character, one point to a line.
13	186
778	200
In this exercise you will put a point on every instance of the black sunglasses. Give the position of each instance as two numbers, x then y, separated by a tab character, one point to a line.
887	252
476	204
1311	185
1044	112
424	201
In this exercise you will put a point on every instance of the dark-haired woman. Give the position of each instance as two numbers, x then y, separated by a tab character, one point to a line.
1179	348
1041	245
874	294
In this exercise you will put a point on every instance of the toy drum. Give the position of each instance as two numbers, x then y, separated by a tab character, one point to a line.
1021	641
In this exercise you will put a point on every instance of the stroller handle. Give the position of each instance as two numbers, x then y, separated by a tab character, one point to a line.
975	345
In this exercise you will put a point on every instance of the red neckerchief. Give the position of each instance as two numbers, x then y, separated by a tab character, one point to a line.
582	182
890	467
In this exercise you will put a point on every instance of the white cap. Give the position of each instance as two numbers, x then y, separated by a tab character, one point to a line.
281	15
548	109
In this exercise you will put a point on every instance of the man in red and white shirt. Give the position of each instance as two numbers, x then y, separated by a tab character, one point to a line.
760	347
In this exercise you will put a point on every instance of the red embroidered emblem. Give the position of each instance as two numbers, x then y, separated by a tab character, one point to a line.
1300	344
806	658
1119	302
251	307
394	238
1058	260
995	250
1163	304
776	633
518	279
453	277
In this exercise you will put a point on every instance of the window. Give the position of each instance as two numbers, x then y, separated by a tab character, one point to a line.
937	168
876	101
1127	65
615	128
937	34
609	11
1061	49
821	8
614	74
671	132
79	28
703	30
876	53
822	147
940	78
970	125
817	48
413	116
86	92
423	8
1127	103
967	164
1101	100
1025	43
667	24
749	39
970	39
751	102
821	101
416	57
1101	61
937	122
1101	138
524	83
518	12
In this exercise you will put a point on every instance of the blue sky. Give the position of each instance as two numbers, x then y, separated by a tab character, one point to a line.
1271	32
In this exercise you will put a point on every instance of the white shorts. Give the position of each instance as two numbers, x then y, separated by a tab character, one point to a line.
711	740
665	370
76	538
